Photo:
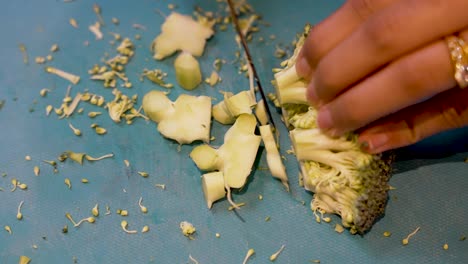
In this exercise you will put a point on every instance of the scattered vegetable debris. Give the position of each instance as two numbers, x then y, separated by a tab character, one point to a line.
8	229
143	174
213	79
44	92
187	229
54	48
68	183
405	240
236	206
143	208
73	23
156	76
24	53
40	60
14	182
161	186
95	210
94	114
65	75
249	254
24	260
193	259
96	30
124	225
123	213
69	217
106	156
339	228
19	215
100	130
277	253
97	10
90	220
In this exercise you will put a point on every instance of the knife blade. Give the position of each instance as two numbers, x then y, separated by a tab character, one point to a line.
243	42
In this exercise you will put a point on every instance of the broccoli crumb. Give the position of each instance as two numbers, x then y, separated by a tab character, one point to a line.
187	229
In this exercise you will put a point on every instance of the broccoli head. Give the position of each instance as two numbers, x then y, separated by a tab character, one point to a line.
345	180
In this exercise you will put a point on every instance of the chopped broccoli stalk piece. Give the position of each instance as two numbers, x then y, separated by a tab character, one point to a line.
261	112
290	91
186	120
222	114
187	70
275	164
236	156
213	187
206	158
232	106
181	32
240	103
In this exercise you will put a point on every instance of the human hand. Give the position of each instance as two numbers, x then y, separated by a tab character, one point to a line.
383	68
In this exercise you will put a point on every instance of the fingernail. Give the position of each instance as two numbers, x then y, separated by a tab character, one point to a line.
303	67
324	121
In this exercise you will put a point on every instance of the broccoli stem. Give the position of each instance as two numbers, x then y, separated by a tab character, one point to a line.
294	93
290	88
314	139
287	77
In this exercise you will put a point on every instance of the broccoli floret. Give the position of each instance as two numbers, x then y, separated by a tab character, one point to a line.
304	120
345	180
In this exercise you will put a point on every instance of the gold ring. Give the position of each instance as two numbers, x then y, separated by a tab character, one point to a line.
459	56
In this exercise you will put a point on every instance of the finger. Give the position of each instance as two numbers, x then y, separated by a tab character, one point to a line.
444	112
385	36
327	34
404	82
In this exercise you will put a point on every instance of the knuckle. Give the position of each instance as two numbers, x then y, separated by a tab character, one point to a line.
314	48
452	118
362	8
411	132
326	81
380	32
412	82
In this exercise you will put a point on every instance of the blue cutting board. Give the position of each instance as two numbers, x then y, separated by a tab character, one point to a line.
430	178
